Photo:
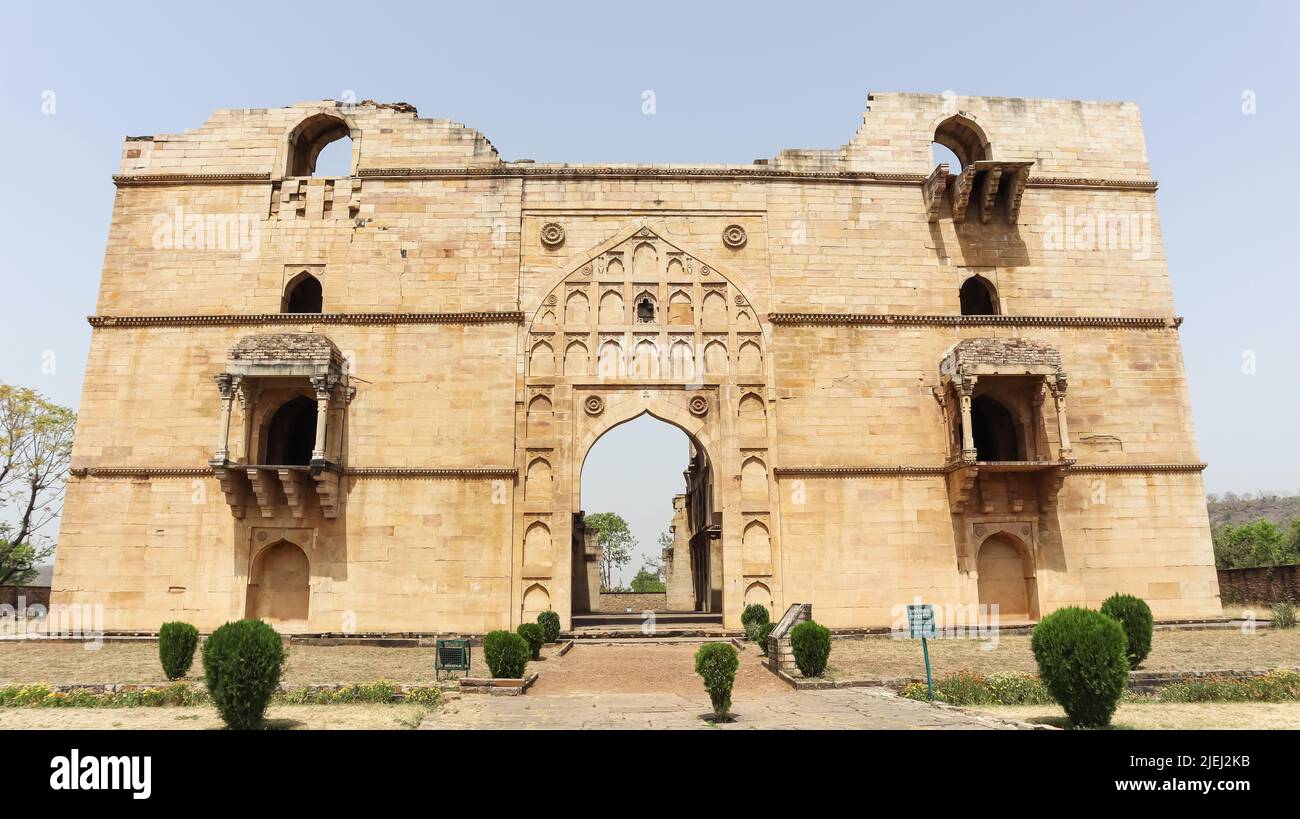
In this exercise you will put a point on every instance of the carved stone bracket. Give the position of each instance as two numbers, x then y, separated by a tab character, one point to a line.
328	485
961	482
933	189
293	481
264	484
234	485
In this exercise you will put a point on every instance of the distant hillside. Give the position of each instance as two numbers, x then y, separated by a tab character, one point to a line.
1235	509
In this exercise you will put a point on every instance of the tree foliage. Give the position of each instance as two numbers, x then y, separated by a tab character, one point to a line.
35	449
647	581
615	539
1262	543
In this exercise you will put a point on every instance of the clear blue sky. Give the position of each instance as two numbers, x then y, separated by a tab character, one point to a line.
733	82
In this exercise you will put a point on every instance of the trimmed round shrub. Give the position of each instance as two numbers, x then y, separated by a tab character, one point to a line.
550	623
534	636
506	654
1135	616
176	644
242	663
1082	658
811	643
761	634
717	664
754	615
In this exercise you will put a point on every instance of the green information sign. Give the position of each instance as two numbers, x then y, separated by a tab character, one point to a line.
920	624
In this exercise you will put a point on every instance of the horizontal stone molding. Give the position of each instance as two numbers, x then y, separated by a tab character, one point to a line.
756	173
244	319
189	178
894	471
949	320
146	472
447	472
1104	468
140	472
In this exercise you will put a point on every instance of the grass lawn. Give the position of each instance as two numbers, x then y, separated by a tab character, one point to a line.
279	717
1170	651
1167	715
137	663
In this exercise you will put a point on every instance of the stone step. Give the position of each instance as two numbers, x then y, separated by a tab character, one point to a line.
636	619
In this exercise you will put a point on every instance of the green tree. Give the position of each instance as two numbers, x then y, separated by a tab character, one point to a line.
35	448
647	580
615	539
1261	543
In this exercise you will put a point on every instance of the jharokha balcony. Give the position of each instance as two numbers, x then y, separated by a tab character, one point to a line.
1008	446
293	393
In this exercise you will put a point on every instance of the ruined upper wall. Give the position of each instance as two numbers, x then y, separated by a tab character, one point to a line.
1063	138
1070	138
257	141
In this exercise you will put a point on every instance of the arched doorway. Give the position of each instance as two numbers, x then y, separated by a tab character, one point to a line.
1006	578
657	478
997	435
291	433
279	589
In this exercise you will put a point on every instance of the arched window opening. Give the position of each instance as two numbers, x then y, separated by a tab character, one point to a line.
960	137
304	295
321	146
978	297
291	435
645	310
997	435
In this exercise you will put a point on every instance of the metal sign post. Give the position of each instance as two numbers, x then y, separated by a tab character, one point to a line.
920	623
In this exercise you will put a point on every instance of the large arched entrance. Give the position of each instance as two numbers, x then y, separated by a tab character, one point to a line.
641	327
646	538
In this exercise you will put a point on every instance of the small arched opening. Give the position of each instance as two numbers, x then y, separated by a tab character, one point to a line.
291	434
321	145
1006	578
303	294
279	586
959	142
978	297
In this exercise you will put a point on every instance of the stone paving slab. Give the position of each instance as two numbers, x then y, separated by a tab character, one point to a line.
850	708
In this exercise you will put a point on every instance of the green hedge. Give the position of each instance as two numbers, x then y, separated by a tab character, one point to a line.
1134	615
1082	658
550	623
761	634
534	636
506	654
717	664
754	615
1282	685
176	644
182	694
242	663
967	688
811	643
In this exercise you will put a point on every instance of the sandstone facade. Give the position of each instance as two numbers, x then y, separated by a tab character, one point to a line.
363	403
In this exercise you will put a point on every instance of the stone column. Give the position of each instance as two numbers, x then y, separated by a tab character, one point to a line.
965	392
226	384
322	384
1063	426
